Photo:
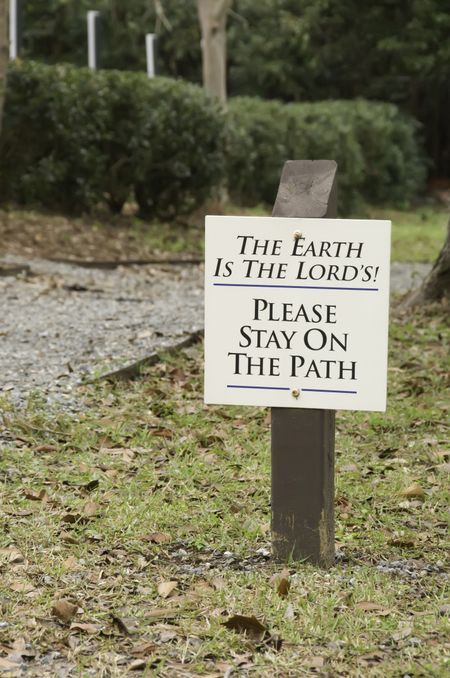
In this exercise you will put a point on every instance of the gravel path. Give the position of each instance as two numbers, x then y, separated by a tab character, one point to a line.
60	323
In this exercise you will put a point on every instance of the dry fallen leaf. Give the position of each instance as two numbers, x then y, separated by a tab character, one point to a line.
90	509
143	649
413	491
67	538
165	588
90	629
368	606
64	610
157	538
15	556
123	628
91	485
22	648
46	448
70	563
250	626
137	665
283	587
373	657
254	630
403	632
281	582
22	586
8	665
35	496
71	518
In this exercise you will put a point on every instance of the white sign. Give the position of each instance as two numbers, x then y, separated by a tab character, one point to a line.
296	312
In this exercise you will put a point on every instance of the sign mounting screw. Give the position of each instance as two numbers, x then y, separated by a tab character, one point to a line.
295	392
297	235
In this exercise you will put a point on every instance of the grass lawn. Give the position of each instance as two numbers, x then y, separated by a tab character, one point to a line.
417	234
133	532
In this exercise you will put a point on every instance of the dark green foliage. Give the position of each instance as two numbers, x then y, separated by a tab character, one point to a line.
72	139
374	145
391	50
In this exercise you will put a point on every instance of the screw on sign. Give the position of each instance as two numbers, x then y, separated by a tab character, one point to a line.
296	318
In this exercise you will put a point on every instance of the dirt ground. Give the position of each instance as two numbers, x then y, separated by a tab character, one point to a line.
47	236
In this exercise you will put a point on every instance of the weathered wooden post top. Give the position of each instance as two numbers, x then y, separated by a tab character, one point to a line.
296	318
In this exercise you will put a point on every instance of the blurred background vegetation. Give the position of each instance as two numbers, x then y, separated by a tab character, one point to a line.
391	50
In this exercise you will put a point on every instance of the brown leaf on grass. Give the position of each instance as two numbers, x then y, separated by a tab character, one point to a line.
162	432
23	649
90	629
157	538
64	610
372	657
143	649
70	563
45	448
22	587
35	496
283	586
137	665
120	624
414	491
368	606
254	631
8	665
72	518
403	632
11	555
67	538
249	626
90	509
91	485
166	588
281	582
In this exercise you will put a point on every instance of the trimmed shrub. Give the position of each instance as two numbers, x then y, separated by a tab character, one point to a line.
375	146
73	138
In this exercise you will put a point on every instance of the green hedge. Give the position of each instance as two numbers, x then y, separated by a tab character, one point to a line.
72	139
375	146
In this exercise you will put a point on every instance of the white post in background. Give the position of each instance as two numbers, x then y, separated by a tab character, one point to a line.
150	50
13	30
92	38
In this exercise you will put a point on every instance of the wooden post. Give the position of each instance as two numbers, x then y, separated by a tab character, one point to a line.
303	439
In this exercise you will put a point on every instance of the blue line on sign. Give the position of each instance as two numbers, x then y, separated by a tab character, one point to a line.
300	287
326	390
268	388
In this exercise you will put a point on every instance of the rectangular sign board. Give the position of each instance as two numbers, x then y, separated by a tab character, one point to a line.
296	312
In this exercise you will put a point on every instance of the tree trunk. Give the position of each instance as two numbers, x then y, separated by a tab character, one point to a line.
436	285
4	52
213	19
